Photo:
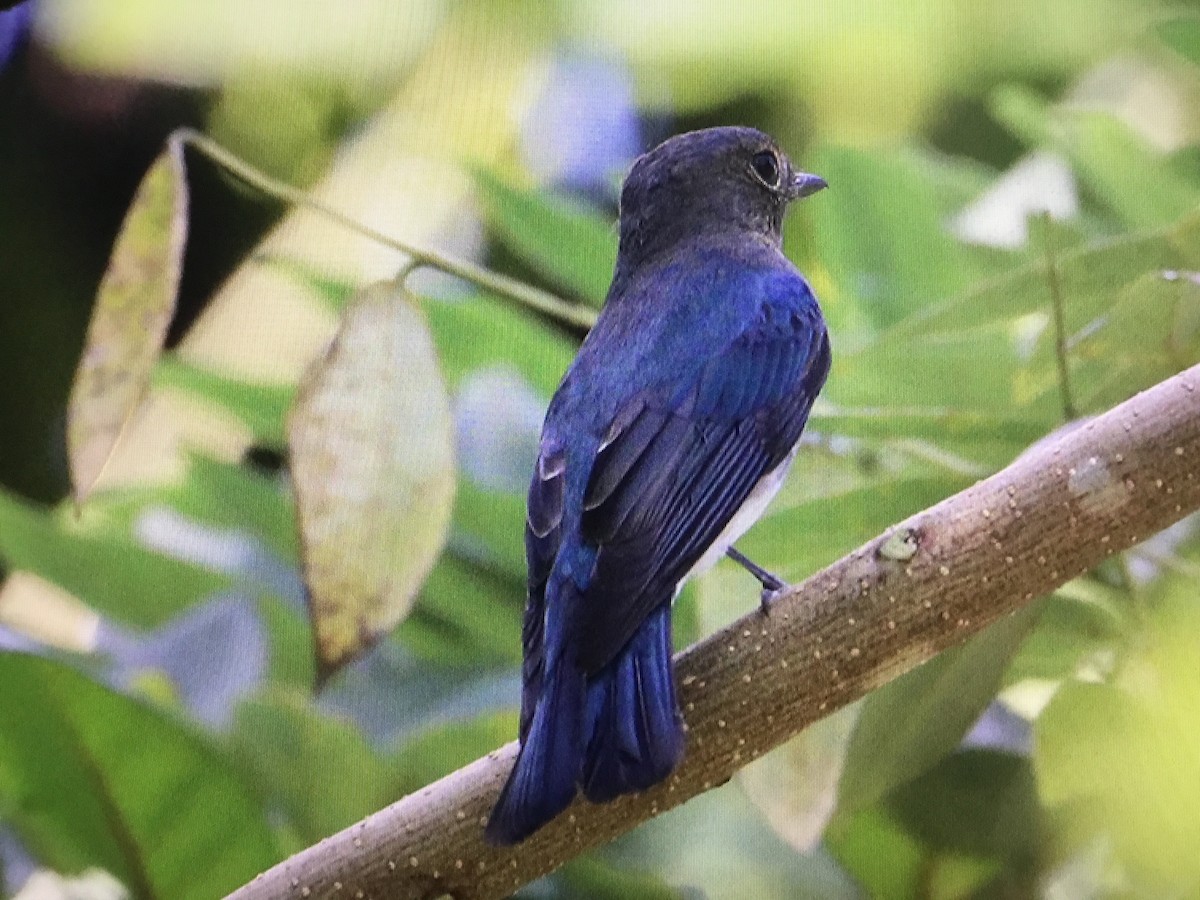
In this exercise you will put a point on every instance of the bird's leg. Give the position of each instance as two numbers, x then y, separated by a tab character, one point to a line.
772	584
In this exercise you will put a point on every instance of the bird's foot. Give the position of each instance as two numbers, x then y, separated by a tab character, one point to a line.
769	595
772	585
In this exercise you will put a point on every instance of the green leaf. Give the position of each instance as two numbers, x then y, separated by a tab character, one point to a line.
319	769
587	878
1081	624
291	658
1151	331
214	492
489	526
574	248
975	802
133	309
719	845
89	777
467	614
1138	184
796	540
111	572
234	496
964	369
371	443
1092	278
1119	759
1183	36
262	407
438	751
879	230
480	332
936	423
908	725
881	854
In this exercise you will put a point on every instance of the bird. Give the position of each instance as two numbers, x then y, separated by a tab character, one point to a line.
670	432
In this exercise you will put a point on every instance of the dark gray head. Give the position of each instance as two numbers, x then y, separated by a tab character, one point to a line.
719	180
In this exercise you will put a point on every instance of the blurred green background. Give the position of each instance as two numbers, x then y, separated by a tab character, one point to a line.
159	736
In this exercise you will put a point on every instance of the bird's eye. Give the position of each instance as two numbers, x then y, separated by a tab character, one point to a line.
766	168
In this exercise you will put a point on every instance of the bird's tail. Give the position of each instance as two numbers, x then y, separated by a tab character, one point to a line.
615	733
544	778
635	735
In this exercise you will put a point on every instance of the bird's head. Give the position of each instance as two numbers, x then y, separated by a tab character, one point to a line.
729	179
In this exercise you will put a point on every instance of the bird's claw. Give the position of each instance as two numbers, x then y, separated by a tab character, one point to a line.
769	595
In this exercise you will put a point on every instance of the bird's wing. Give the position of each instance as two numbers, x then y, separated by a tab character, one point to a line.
680	460
543	534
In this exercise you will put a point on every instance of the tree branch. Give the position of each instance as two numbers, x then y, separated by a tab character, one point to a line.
501	285
1091	490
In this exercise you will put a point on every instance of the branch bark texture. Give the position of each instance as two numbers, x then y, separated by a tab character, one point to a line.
926	584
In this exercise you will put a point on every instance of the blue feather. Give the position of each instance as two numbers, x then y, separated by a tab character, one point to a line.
690	392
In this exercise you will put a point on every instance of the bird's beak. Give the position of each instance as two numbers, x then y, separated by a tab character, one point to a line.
805	185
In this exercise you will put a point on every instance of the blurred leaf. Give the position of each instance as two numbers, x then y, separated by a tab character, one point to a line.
235	496
956	877
468	614
895	68
574	248
291	658
1120	759
944	424
1072	630
585	878
196	44
964	369
799	535
906	726
1151	331
371	443
318	768
133	309
263	407
881	854
796	785
880	232
448	746
482	331
489	526
1138	184
333	291
1183	36
719	845
285	124
109	571
1131	315
1092	278
89	777
976	802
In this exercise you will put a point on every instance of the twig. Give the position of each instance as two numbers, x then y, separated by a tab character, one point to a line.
1070	413
500	285
926	584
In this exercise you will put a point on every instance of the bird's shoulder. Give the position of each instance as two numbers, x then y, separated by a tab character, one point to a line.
667	322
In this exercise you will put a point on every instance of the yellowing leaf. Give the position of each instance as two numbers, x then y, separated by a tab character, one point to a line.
795	786
372	455
134	307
